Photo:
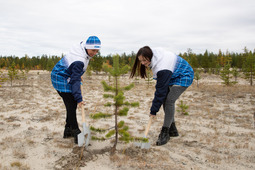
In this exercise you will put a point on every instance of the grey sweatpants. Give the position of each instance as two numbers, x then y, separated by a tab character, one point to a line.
169	104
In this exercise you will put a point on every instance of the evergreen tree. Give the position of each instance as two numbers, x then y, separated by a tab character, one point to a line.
149	78
205	62
249	66
235	73
226	75
96	63
2	78
197	76
23	76
220	58
49	64
217	69
12	72
116	93
212	62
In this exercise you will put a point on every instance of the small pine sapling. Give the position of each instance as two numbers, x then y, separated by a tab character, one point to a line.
2	78
149	78
197	76
226	75
23	75
12	72
235	73
115	92
183	108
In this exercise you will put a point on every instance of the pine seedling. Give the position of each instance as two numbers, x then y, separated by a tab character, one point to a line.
23	76
121	107
12	72
149	78
183	108
226	75
2	78
235	73
197	77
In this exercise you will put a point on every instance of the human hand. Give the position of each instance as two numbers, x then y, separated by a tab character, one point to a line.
153	116
81	103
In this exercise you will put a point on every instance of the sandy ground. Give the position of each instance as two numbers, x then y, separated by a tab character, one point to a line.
218	133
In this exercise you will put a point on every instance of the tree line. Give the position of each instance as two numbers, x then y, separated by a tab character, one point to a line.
207	62
43	62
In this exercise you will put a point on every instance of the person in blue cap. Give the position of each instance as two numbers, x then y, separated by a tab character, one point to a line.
173	74
66	79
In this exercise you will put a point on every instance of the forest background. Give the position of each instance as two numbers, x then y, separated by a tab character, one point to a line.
207	62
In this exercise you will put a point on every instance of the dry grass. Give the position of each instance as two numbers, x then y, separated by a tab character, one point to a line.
30	142
19	165
44	129
12	119
19	154
138	159
16	164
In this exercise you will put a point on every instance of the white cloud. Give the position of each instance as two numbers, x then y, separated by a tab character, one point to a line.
37	27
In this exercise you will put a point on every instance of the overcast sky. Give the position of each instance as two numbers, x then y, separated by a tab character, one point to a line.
36	27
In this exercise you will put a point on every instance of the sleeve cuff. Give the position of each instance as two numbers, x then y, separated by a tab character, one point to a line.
153	113
79	100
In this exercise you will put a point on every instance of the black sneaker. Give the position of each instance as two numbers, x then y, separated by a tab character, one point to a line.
163	137
173	132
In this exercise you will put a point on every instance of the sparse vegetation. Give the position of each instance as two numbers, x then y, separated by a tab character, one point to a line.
2	78
249	65
226	75
19	154
197	76
12	72
218	133
149	78
19	165
183	108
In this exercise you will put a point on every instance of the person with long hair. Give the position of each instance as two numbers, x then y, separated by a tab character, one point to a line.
173	75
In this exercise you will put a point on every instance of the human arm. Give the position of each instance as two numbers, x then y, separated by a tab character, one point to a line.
76	70
163	80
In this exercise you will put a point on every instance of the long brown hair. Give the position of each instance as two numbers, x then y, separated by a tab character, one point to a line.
146	52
